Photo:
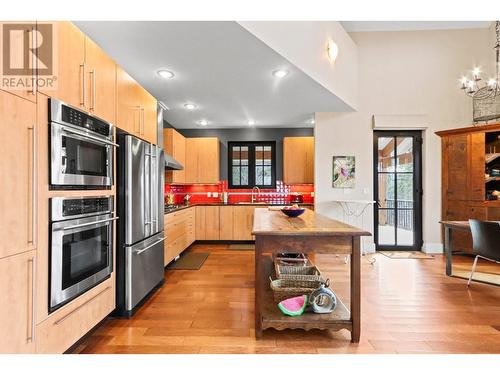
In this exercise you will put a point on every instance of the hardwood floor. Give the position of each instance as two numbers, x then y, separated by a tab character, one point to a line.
408	306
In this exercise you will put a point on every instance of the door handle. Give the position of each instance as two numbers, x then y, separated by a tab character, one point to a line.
31	337
86	135
93	90
33	183
33	63
82	78
91	223
137	252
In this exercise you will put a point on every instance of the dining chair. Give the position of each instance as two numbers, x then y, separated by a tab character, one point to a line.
485	242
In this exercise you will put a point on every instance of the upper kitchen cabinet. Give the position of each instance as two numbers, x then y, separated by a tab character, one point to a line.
100	81
174	144
18	175
202	160
71	73
135	108
298	160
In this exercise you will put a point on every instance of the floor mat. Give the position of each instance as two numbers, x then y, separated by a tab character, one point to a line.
242	246
189	261
489	278
406	255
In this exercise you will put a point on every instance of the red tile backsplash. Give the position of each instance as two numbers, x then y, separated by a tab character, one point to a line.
199	193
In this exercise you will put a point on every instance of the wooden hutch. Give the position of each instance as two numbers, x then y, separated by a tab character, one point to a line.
470	165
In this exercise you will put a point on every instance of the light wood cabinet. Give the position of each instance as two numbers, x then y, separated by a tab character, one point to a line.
66	326
179	231
207	223
17	175
243	223
226	222
174	144
202	160
100	71
298	160
136	110
71	70
17	321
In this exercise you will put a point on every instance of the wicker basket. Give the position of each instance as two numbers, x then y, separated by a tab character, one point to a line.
291	261
298	272
283	289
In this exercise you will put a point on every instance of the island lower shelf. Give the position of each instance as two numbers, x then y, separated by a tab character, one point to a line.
272	317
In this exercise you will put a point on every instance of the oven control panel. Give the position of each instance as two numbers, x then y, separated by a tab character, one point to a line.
65	208
83	120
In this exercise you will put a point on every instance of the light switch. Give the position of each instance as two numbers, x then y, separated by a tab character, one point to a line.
209	194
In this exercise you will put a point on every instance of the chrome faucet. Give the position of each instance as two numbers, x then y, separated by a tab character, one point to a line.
253	191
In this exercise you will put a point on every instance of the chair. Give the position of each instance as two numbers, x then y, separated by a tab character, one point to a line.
485	242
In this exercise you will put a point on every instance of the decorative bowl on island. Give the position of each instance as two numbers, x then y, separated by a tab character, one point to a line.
293	211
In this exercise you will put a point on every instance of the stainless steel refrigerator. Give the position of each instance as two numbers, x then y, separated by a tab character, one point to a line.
140	184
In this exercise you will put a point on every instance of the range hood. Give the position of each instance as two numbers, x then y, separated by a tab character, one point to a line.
171	163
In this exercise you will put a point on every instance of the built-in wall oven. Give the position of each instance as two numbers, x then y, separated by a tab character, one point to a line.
81	149
81	246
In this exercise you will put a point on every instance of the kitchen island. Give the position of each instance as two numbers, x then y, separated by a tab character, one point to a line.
309	233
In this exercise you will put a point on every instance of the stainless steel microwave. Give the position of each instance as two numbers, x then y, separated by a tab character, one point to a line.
81	149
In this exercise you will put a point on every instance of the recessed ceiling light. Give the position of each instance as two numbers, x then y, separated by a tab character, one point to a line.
203	122
190	106
280	73
332	50
312	121
251	122
167	74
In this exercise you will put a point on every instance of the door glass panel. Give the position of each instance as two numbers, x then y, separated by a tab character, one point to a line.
244	155
404	154
259	175
405	227
236	175
386	228
84	254
386	190
405	190
386	161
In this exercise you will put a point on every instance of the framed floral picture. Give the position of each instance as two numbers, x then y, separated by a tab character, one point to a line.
344	169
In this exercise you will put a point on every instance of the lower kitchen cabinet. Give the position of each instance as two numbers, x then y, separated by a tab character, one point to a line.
66	326
207	223
17	320
243	223
226	220
179	232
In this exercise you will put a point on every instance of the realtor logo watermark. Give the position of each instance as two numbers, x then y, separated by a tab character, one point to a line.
28	56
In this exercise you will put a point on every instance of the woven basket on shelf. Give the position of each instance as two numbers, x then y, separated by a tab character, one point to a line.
283	289
298	272
291	261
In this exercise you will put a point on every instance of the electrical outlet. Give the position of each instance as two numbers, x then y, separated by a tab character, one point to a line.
209	195
215	194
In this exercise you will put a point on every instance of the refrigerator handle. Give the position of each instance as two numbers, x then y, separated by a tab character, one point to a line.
153	183
147	190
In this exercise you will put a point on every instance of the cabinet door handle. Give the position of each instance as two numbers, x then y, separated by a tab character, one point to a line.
142	121
32	128
93	90
31	336
33	62
79	307
82	78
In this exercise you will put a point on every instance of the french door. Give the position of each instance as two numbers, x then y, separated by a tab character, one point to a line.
397	171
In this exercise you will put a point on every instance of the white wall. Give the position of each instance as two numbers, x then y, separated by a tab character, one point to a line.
402	73
303	43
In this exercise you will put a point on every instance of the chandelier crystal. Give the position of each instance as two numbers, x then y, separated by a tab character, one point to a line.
473	87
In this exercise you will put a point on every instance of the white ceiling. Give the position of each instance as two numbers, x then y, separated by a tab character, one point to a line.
221	67
356	26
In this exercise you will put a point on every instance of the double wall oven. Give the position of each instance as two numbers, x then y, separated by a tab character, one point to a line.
81	252
81	227
81	148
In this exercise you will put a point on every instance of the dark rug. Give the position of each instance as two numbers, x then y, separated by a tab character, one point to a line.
189	261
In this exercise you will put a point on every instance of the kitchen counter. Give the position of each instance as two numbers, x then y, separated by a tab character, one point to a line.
244	204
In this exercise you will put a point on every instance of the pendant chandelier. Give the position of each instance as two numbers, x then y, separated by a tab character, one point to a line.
474	87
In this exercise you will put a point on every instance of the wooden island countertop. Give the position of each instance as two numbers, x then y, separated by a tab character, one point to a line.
309	233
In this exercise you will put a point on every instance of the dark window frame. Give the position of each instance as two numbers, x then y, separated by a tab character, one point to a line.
251	164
